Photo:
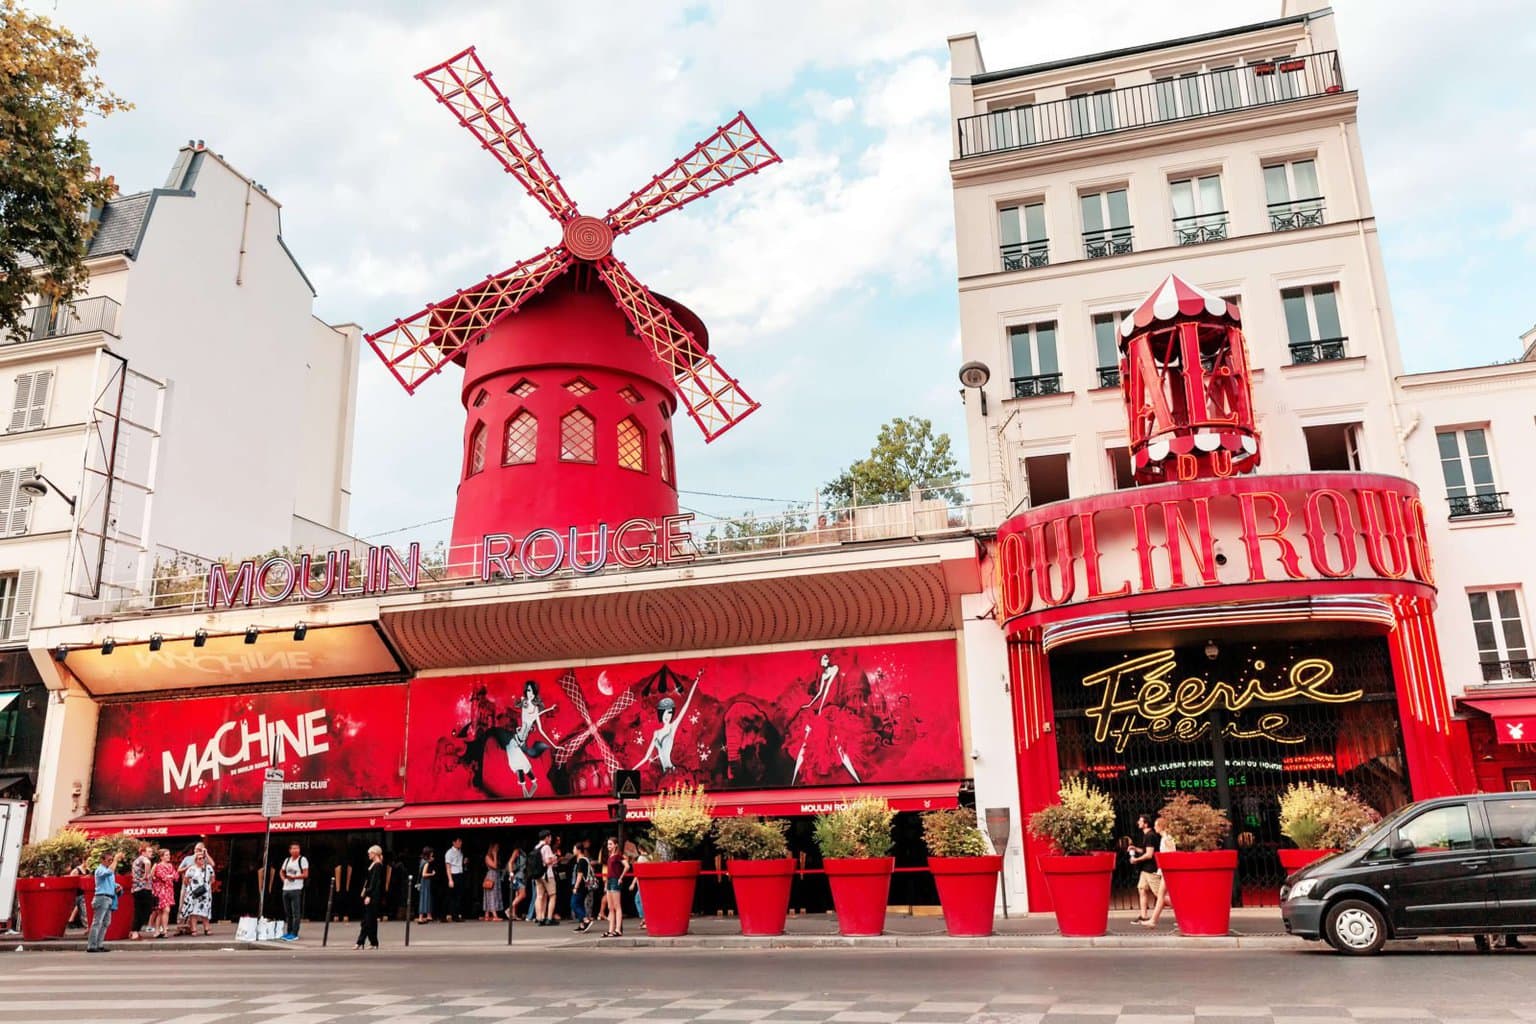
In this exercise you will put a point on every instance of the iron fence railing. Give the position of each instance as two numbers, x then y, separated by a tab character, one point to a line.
1109	376
1026	255
1296	214
1114	242
1489	503
81	317
1322	350
1179	98
1039	384
1513	670
1203	227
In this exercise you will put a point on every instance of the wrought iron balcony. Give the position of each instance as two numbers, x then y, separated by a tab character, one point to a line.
1109	376
1323	350
1516	670
1026	255
1491	503
1203	227
1172	99
1114	242
1296	214
86	315
1034	387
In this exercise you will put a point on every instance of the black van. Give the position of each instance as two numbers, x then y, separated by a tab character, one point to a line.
1461	865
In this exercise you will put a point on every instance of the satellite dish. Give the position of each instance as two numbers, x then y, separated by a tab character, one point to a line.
975	375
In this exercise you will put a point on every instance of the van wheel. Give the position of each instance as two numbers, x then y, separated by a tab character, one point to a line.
1355	928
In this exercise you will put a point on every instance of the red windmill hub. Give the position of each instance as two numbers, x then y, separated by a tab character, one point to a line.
568	419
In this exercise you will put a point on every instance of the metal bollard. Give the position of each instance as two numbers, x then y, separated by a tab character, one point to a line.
330	905
410	893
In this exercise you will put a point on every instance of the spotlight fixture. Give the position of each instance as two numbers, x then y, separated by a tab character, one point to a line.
1211	650
155	641
60	653
200	638
108	645
250	634
975	375
300	631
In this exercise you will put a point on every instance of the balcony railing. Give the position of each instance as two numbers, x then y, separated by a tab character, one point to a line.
1114	242
1204	227
1299	213
1109	376
1323	350
86	315
1026	255
1170	99
1034	387
1515	670
1491	503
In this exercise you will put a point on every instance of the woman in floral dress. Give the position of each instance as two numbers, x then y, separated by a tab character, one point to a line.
163	885
197	892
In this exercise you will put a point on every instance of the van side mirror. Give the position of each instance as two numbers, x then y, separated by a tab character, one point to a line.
1403	847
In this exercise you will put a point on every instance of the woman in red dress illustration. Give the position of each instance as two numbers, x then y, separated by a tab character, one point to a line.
828	729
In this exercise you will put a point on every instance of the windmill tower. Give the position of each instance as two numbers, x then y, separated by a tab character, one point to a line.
572	367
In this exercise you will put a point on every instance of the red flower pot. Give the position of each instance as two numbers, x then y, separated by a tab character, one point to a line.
666	889
1200	888
1294	860
967	892
1080	891
762	893
46	904
861	889
121	925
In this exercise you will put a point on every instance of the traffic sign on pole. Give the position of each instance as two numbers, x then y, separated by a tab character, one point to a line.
272	794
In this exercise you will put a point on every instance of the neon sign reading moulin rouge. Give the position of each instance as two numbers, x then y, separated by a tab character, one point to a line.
635	544
1139	700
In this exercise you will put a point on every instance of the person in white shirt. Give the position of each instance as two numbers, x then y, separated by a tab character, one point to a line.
294	872
545	857
457	890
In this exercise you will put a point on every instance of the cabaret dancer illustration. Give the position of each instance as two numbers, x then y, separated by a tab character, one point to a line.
668	717
514	743
822	745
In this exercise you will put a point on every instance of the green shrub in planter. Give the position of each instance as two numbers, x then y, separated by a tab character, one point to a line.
1083	821
103	848
1319	817
861	829
953	833
752	838
54	856
680	821
1196	827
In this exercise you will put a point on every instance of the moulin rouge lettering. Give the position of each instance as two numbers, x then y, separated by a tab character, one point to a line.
1138	699
246	745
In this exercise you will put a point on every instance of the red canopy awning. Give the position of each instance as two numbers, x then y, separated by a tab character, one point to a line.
241	821
1514	718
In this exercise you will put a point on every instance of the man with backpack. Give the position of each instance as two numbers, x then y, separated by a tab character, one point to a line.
544	885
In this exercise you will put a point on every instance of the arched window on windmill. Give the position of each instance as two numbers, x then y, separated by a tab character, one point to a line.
522	442
631	445
578	436
668	473
477	439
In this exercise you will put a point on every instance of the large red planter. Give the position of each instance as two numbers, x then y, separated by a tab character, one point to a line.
967	892
762	893
666	889
46	904
1080	891
1200	888
1294	860
121	925
861	890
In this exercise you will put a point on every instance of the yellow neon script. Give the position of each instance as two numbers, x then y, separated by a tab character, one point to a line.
1139	700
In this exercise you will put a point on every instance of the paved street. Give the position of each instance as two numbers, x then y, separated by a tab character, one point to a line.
485	986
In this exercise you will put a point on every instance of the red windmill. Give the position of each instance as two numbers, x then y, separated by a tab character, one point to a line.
569	402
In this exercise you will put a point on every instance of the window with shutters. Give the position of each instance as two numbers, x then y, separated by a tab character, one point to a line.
522	445
476	450
17	593
15	505
578	437
29	404
631	445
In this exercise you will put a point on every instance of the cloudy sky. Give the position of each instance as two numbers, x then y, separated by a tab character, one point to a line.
828	280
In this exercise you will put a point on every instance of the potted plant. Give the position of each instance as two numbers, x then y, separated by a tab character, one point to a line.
1080	828
121	924
45	890
1321	820
680	821
855	844
964	870
1198	873
761	869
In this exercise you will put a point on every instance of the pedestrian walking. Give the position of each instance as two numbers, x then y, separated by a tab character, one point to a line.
613	896
1165	844
582	879
1143	854
197	892
426	871
517	868
373	899
142	891
634	855
78	916
544	857
458	891
163	884
103	901
295	872
490	887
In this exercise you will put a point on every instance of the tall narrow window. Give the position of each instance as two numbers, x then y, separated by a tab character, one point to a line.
1106	343
1225	89
1009	128
29	403
1045	479
1091	112
578	437
477	439
631	445
522	447
15	505
1035	367
668	471
1178	96
1199	215
1312	323
1106	223
1467	465
1333	447
17	591
1500	631
1120	471
1293	196
1022	231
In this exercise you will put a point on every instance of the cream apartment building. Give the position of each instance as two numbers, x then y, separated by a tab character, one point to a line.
1233	160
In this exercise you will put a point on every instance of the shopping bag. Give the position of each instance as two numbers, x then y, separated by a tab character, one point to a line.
245	930
271	931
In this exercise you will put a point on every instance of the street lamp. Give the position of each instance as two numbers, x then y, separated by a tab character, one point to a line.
39	486
975	375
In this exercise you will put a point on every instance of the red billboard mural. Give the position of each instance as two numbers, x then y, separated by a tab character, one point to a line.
834	716
206	752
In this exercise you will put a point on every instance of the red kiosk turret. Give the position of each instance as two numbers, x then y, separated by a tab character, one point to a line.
1188	393
569	401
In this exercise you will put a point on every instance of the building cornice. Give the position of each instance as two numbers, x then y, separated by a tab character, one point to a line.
1470	377
84	343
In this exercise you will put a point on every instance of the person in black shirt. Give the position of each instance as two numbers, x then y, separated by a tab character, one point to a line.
373	899
1149	884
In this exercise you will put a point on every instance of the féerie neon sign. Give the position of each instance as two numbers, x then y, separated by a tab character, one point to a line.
1139	700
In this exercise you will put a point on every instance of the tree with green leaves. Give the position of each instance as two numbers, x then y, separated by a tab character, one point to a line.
48	88
907	454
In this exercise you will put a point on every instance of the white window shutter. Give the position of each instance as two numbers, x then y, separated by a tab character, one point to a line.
37	406
21	402
15	507
26	597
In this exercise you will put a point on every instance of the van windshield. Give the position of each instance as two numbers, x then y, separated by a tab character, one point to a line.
1382	828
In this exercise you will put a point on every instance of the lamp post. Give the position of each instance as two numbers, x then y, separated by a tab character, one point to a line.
39	486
